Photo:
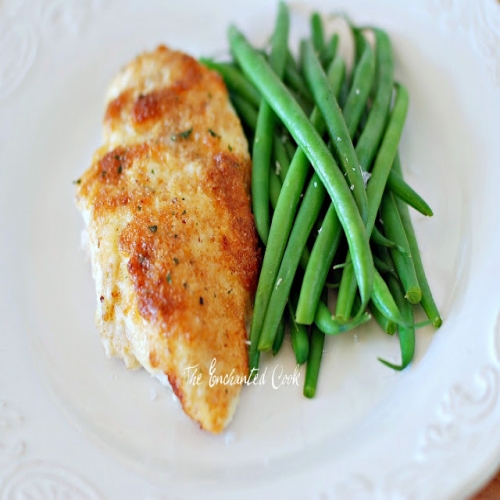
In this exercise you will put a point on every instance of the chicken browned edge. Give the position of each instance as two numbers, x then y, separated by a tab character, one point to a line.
172	239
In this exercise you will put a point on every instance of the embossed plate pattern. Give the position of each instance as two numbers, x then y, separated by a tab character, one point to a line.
76	425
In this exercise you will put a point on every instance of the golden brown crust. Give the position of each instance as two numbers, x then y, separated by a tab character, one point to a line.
167	203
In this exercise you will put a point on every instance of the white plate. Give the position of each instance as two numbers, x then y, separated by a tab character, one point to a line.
77	424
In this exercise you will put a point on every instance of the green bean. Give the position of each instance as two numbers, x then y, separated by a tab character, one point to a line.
308	212
330	50
368	142
324	320
290	147
335	75
282	224
294	79
394	286
406	333
341	265
300	338
336	126
382	267
385	302
262	145
360	90
384	260
347	292
304	258
274	193
280	335
317	270
357	302
317	35
274	189
249	115
387	325
245	111
375	187
234	80
322	255
364	75
329	234
305	104
314	147
284	215
404	263
344	92
380	239
281	158
261	156
312	286
381	297
421	324
313	362
427	302
406	193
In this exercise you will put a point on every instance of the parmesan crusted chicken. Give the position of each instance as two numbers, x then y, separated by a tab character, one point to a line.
172	239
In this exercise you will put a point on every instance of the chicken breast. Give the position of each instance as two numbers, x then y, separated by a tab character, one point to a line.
172	239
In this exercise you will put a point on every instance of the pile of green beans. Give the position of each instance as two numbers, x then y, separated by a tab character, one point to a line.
328	195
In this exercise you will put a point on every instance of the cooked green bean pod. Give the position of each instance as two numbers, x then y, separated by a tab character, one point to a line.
300	338
394	229
337	129
317	33
282	162
330	50
375	188
293	78
327	242
314	147
235	80
329	234
264	131
406	333
308	212
385	302
361	86
313	362
380	239
407	194
282	224
280	335
427	302
329	325
387	325
382	267
373	131
274	189
322	255
284	215
245	110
